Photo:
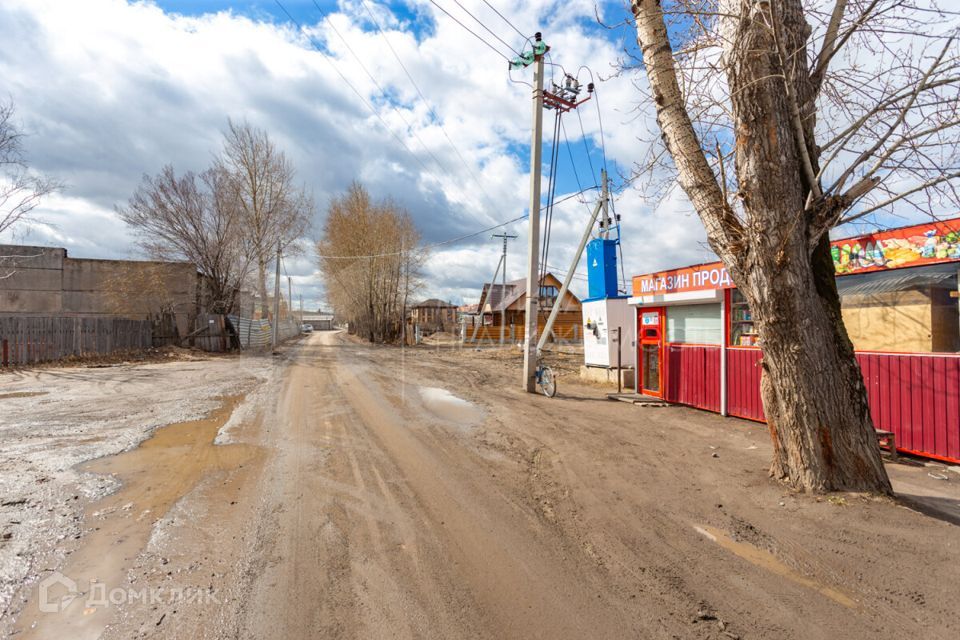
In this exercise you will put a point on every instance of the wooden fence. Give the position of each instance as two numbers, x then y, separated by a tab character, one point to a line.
26	340
562	332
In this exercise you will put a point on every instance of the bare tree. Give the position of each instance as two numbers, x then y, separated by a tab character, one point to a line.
275	211
193	218
779	120
370	259
21	190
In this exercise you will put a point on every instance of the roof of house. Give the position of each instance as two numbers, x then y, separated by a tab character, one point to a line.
433	302
501	297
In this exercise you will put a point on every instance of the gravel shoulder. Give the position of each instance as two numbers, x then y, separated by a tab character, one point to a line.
54	419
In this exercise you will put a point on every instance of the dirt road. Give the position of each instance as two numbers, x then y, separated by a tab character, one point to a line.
365	502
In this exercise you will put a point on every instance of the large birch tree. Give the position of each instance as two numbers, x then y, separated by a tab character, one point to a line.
780	120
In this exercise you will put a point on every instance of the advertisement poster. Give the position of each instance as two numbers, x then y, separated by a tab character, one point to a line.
922	244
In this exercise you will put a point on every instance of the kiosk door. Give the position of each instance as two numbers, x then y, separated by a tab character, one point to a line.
650	343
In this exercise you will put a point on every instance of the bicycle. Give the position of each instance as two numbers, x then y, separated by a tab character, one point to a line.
546	381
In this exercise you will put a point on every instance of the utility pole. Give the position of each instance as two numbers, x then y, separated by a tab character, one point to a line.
289	297
533	239
301	308
600	206
503	290
276	301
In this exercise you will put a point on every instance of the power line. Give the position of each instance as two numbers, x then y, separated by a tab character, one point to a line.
586	147
381	89
471	31
488	29
428	246
505	20
458	238
426	103
353	88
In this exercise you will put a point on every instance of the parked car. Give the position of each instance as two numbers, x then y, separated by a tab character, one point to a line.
306	328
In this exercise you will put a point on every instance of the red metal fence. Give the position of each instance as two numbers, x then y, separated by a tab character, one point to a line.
693	376
743	384
916	396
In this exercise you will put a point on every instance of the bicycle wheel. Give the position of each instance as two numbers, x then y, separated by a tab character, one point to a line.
548	383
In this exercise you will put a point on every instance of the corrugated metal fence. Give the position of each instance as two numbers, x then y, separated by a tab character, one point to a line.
28	340
255	334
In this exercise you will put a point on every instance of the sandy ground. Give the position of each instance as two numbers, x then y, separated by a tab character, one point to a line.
369	492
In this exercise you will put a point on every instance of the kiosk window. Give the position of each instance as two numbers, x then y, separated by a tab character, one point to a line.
697	324
743	331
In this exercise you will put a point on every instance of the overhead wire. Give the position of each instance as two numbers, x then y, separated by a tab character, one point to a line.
488	29
471	31
430	110
458	238
551	193
383	91
352	87
502	17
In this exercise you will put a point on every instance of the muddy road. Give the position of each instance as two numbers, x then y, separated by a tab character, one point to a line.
368	492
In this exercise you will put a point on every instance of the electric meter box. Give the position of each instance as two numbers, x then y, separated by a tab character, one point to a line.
601	318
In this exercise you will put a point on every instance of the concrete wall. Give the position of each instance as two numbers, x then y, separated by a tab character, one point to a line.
43	280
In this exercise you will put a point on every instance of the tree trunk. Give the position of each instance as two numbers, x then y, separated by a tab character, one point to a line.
813	393
262	284
812	388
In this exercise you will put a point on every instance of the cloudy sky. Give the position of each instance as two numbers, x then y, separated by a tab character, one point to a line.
109	90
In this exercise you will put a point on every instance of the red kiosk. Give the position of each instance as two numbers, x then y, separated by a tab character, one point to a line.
697	344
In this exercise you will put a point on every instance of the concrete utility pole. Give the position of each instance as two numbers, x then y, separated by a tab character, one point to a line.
276	302
289	297
503	290
533	240
600	206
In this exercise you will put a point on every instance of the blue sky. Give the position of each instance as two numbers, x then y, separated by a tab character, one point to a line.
131	86
110	90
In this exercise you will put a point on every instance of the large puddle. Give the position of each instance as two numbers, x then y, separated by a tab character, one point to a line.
154	476
447	406
768	561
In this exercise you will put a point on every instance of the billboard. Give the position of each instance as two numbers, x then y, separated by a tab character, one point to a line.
914	246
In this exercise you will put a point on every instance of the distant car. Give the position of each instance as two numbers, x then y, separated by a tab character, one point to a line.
306	328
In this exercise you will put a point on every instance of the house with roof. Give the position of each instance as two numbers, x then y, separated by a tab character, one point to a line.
434	315
505	305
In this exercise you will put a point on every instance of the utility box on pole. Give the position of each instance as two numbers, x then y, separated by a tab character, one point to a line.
602	268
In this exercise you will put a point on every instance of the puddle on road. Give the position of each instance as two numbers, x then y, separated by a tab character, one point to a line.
445	405
768	561
22	394
154	476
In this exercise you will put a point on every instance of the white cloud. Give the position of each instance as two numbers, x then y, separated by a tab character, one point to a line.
109	91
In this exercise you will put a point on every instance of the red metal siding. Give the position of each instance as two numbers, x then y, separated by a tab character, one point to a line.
743	384
918	398
693	375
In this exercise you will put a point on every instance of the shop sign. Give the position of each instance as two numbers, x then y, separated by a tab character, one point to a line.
930	243
704	277
922	244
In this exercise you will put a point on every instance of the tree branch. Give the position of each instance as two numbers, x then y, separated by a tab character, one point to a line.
695	176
